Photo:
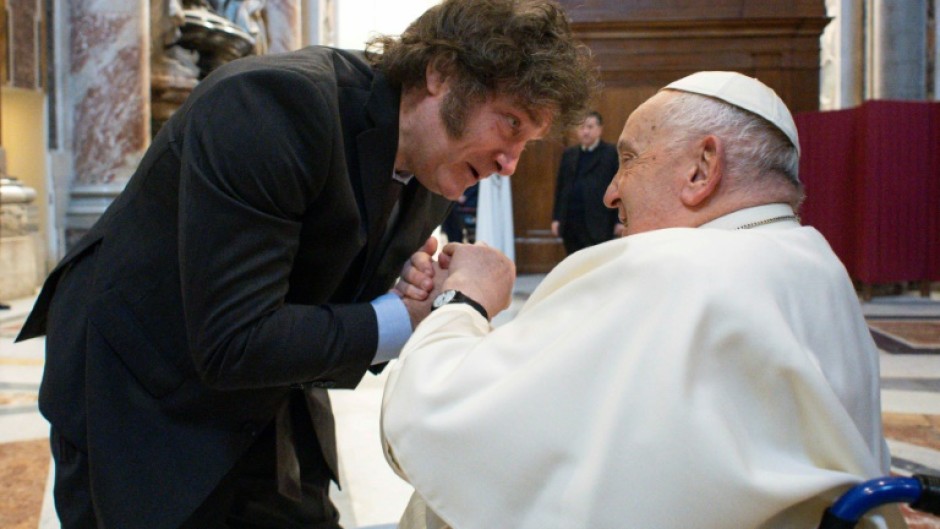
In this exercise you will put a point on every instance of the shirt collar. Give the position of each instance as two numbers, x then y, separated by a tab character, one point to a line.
591	147
736	219
402	178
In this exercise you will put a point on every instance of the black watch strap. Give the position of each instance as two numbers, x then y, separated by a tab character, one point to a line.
456	296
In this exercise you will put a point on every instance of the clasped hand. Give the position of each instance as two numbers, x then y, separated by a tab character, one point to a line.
482	273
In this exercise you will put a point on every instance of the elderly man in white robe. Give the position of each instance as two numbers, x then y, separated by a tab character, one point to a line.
710	369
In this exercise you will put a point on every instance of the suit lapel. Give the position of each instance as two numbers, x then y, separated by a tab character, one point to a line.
413	217
376	163
375	150
420	211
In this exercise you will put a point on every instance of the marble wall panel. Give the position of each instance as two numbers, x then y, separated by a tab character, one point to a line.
109	89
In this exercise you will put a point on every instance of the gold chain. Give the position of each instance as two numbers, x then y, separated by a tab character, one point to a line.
768	221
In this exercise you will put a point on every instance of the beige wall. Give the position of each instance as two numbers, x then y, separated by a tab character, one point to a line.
24	129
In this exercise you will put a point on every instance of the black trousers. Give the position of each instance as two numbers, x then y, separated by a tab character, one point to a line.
247	496
574	235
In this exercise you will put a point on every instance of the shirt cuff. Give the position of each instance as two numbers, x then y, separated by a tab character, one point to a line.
394	326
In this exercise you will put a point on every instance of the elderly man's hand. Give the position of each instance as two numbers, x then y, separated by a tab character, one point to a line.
482	273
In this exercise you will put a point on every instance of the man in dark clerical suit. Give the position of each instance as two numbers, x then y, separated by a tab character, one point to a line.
193	332
579	216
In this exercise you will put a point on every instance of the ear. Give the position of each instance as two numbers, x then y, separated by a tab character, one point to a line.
435	80
703	181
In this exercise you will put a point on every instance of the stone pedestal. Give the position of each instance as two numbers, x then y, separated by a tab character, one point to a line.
21	250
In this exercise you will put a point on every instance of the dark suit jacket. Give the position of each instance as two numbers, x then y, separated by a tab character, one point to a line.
599	218
237	264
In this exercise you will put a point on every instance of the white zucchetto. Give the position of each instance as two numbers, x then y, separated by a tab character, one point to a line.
743	92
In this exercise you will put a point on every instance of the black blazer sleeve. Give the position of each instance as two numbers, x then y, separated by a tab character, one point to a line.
565	174
258	154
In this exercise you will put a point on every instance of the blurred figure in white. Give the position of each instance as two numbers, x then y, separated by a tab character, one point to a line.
494	215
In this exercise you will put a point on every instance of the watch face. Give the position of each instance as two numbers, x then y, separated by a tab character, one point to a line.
444	298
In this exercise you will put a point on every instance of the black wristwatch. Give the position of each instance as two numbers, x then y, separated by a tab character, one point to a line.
456	296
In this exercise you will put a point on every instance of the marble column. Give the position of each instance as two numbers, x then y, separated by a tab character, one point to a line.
108	102
851	45
318	22
936	50
284	25
899	49
310	22
327	32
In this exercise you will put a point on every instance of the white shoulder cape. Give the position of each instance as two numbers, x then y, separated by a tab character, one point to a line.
681	378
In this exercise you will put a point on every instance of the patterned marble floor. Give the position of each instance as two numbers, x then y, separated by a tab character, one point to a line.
373	496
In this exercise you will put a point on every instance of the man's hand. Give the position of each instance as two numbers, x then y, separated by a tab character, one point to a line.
556	228
420	282
418	309
417	276
484	274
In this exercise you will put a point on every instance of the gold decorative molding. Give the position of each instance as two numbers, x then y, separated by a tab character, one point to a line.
23	44
702	29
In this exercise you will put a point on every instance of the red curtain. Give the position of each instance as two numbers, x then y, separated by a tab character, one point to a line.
872	177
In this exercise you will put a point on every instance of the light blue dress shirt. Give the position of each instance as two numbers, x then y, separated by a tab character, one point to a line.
394	326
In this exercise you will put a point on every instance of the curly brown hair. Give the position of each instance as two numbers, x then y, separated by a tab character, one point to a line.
520	48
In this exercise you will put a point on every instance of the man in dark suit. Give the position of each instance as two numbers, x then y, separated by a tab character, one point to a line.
579	216
193	332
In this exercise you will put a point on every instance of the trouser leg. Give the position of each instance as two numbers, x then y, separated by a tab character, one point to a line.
247	498
72	486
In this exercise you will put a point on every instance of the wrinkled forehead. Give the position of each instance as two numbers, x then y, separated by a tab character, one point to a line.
645	123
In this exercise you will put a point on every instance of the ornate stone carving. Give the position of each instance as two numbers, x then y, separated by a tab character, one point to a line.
173	70
251	16
216	39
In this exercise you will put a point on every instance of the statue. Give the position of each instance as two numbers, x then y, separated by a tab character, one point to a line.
215	38
167	58
189	39
250	16
173	70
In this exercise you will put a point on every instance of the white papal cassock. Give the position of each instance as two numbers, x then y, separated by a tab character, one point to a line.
680	378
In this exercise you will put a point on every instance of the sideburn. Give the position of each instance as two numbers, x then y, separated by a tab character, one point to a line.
454	111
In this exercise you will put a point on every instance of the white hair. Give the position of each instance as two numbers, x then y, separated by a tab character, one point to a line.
753	145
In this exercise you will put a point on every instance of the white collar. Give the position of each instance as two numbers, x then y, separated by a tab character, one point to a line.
592	147
756	214
403	178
